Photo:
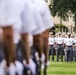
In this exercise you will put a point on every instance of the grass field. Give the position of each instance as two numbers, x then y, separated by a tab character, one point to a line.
61	68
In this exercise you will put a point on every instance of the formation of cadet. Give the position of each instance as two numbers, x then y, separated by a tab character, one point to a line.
62	45
21	20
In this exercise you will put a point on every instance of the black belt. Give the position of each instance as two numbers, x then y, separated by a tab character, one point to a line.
69	46
59	44
51	45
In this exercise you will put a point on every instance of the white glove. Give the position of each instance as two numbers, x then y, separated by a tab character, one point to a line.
3	63
64	49
2	67
75	44
42	59
31	65
73	49
19	68
42	66
37	56
12	69
48	63
54	45
55	48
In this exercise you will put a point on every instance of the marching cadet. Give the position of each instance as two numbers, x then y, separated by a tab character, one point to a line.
64	37
59	47
28	25
37	33
7	20
40	18
51	45
65	47
48	23
45	22
69	47
11	22
15	17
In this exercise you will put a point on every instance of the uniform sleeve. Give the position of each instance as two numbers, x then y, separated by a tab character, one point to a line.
46	15
28	20
8	15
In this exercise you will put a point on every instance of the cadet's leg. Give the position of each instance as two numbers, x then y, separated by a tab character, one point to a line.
74	54
45	49
52	53
38	44
68	55
8	45
49	52
71	54
25	46
1	54
9	51
26	50
45	45
61	54
1	46
57	54
65	54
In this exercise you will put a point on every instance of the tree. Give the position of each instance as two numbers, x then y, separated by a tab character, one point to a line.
61	8
57	27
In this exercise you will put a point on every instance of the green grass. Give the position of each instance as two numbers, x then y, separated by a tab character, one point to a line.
61	68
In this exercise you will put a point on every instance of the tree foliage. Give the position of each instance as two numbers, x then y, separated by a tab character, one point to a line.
61	8
57	28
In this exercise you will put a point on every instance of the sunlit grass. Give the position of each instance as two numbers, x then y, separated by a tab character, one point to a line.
61	68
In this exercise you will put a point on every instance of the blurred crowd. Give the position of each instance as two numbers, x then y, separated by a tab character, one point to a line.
62	44
24	26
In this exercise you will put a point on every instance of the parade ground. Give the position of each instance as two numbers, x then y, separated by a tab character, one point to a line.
61	68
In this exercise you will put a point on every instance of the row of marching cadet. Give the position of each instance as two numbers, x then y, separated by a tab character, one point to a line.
63	46
18	20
